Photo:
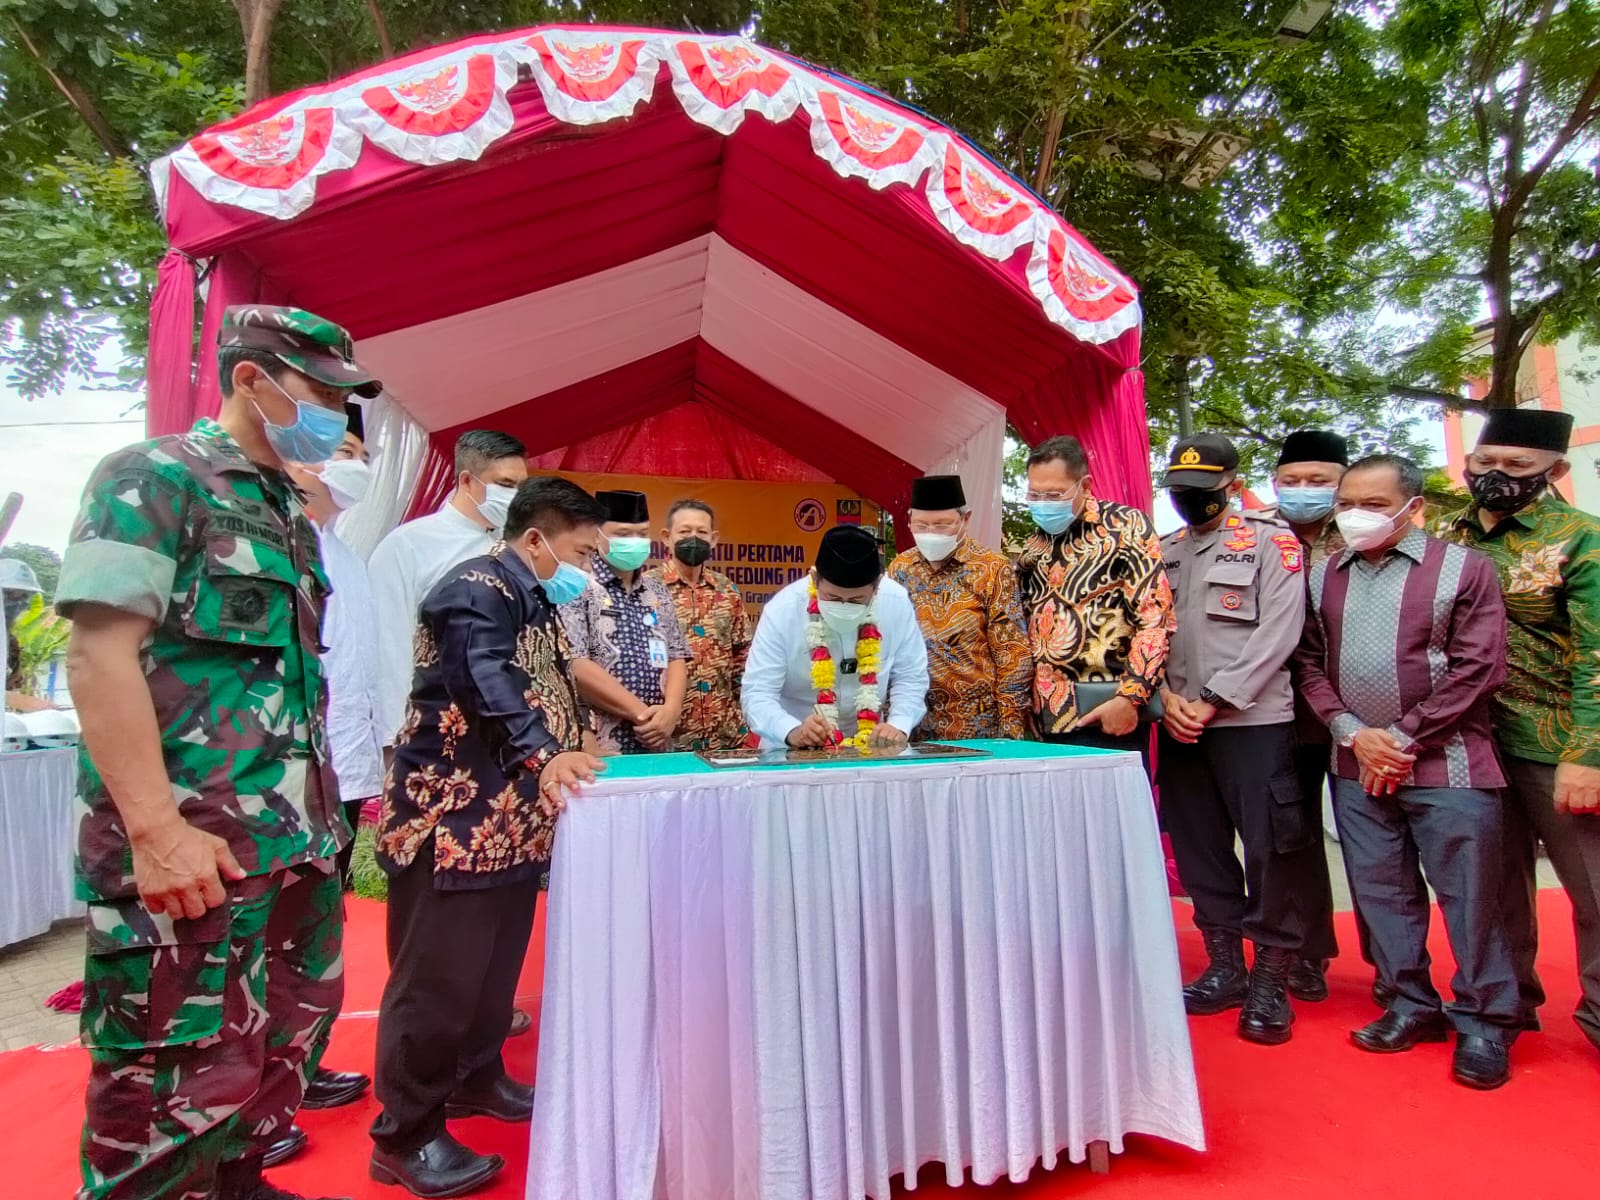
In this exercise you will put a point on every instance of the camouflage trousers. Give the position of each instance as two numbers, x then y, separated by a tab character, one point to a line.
202	1034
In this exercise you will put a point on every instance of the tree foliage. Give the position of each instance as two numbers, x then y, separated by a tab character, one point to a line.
1306	221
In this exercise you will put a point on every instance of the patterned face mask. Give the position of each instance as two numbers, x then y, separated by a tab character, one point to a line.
1504	494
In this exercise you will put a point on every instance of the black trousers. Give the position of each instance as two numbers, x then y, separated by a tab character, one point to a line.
1240	780
352	813
1311	768
454	959
1573	843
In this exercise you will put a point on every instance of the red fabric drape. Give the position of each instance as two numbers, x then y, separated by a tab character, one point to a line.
170	370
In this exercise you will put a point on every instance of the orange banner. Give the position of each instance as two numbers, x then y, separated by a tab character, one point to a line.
768	532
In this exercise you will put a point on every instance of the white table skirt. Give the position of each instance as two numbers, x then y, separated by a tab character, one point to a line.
792	985
38	835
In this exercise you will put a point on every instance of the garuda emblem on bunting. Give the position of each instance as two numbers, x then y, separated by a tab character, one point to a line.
271	153
588	68
437	100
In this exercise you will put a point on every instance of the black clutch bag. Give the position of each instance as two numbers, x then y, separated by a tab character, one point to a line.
1092	695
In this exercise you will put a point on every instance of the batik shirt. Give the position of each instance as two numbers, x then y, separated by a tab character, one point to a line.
979	663
217	551
717	630
1548	560
1099	610
492	702
613	625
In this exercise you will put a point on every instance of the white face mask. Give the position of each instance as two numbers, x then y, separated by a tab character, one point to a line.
496	503
1363	530
844	618
347	481
936	547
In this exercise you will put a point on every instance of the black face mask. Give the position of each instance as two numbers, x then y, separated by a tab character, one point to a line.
692	551
1504	494
1196	505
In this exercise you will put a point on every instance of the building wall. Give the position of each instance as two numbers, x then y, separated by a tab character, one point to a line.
1564	376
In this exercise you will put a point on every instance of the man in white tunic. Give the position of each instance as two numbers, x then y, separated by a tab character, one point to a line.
350	665
838	656
415	556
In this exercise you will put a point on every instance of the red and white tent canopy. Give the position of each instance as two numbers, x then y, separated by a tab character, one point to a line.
654	253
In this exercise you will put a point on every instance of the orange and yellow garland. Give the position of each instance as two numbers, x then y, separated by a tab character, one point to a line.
824	675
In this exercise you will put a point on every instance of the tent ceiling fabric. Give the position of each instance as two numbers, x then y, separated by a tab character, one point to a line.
580	235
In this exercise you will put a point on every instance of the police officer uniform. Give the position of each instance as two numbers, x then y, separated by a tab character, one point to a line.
1239	595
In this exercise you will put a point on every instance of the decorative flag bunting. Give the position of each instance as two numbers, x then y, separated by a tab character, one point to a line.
454	104
858	138
588	78
718	80
440	111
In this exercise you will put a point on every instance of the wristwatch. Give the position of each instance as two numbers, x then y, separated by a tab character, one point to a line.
1213	699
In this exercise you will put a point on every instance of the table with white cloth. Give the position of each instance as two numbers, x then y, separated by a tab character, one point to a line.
38	834
795	982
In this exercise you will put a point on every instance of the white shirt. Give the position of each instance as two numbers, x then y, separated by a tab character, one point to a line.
403	570
351	665
777	694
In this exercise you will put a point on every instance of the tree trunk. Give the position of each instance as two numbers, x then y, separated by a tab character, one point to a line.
256	18
869	25
77	96
1183	393
381	28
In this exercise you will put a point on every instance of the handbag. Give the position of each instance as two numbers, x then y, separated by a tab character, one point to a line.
1092	695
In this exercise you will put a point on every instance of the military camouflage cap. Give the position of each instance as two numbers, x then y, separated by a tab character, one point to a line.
308	343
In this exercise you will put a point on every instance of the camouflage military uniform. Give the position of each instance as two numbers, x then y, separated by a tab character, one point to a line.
202	1033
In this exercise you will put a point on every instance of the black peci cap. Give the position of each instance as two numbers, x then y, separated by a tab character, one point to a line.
1314	445
1530	428
625	508
937	493
849	557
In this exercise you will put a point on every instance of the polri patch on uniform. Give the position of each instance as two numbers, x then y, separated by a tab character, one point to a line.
1290	550
1231	600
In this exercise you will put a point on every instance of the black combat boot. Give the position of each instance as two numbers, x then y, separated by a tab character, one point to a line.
1267	1014
1308	979
1222	985
241	1179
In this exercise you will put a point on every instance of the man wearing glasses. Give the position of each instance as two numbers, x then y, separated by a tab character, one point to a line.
966	601
1098	607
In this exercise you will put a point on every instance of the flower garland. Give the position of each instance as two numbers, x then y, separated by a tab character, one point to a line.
824	676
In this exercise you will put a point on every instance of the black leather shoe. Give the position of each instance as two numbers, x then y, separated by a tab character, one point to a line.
521	1022
241	1180
331	1089
1224	983
442	1167
1394	1032
504	1100
1267	1013
1383	994
1308	980
1480	1063
286	1147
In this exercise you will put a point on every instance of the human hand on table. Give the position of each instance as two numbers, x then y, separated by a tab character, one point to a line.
888	735
1117	717
815	732
179	870
562	774
1577	789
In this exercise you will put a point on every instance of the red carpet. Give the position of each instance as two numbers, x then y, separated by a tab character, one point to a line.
1311	1120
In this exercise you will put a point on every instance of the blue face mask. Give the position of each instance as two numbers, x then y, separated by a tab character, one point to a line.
1306	504
316	433
1052	516
566	585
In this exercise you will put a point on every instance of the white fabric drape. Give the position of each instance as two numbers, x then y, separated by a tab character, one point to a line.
38	835
793	985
